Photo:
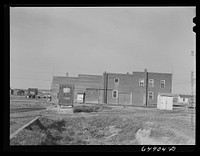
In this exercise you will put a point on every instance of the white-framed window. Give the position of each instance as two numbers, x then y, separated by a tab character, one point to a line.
116	80
151	82
150	96
162	83
114	94
141	82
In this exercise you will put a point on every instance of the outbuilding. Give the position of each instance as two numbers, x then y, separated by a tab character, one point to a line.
185	99
165	101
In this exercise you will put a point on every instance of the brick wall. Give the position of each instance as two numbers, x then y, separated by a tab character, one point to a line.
128	87
129	83
80	84
157	88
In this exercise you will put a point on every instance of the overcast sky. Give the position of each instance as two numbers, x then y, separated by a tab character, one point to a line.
46	41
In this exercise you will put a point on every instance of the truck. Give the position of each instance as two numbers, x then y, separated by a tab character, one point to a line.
43	95
32	93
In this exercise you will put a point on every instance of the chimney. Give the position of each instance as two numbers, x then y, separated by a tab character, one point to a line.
67	74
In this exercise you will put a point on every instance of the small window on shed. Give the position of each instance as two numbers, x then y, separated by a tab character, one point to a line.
114	93
162	83
141	82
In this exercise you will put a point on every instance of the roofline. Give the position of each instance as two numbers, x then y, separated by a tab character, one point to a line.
159	73
89	75
64	77
140	72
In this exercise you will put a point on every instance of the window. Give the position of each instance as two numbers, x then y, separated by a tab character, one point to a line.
151	96
162	83
151	82
141	82
116	80
114	93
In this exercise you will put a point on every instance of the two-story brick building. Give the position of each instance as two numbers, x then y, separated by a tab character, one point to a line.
137	88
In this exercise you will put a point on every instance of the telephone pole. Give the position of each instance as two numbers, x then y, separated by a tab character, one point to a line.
193	101
192	81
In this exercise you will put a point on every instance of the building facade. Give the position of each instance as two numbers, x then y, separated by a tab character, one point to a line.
83	83
138	88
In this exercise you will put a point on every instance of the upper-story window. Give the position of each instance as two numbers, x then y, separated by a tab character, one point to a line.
114	93
141	82
151	82
162	83
116	80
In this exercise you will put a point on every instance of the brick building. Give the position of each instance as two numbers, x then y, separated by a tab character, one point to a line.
82	83
138	88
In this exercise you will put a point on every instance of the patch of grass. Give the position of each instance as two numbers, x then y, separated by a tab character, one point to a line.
99	130
89	109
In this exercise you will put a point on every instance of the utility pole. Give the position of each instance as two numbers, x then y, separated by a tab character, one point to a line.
192	80
193	102
192	85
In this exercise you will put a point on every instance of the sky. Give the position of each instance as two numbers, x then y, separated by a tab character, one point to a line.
47	41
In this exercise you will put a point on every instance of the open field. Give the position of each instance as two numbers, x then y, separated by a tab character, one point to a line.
99	125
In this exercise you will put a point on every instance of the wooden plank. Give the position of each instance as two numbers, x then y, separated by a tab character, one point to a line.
21	128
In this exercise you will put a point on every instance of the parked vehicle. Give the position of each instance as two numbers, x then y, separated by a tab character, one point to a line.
32	93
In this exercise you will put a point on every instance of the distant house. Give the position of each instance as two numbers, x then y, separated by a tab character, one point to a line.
185	99
20	92
17	92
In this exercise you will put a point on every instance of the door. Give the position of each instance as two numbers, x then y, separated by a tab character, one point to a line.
169	103
66	95
125	98
91	96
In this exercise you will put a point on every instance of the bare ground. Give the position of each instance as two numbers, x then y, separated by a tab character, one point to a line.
101	125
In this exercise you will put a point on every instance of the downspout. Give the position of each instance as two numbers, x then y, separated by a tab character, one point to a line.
146	89
105	87
106	96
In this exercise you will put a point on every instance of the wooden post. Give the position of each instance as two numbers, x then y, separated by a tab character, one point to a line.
98	96
21	128
131	98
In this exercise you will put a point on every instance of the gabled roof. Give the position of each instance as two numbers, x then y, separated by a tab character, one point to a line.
185	96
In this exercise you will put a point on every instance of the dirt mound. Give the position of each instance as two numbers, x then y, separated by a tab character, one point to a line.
153	134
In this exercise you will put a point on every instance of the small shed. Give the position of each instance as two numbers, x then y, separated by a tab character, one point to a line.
165	101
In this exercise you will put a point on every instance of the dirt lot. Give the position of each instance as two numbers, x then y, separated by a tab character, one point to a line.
99	125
